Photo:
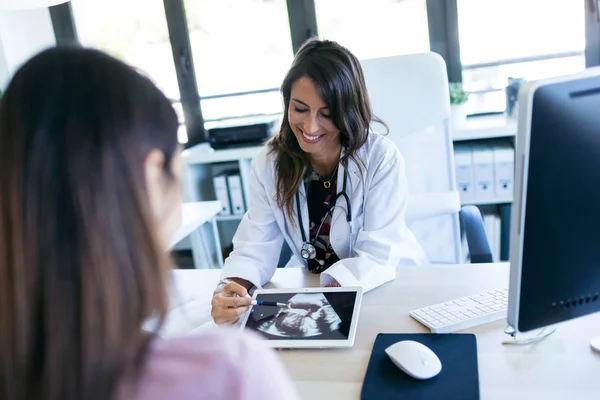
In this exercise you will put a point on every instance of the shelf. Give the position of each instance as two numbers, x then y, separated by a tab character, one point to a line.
486	202
229	217
488	127
193	215
204	154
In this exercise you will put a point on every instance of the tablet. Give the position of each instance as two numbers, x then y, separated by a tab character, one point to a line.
306	318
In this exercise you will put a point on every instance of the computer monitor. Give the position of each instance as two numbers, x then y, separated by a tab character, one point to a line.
555	222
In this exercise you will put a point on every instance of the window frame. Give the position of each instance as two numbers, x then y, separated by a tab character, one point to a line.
592	33
303	21
448	46
442	18
63	24
186	73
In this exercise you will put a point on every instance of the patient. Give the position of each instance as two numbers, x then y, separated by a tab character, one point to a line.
89	198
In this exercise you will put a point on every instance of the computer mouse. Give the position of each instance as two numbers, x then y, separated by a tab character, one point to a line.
415	359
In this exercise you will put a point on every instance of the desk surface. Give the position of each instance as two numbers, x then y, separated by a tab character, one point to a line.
193	215
560	367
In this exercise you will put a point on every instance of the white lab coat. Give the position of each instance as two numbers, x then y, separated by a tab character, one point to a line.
380	238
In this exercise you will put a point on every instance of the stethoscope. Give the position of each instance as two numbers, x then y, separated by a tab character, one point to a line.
308	251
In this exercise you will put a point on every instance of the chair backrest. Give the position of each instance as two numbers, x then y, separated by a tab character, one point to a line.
410	94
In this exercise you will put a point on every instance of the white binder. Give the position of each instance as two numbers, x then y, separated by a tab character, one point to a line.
483	165
465	181
222	193
236	194
491	222
504	170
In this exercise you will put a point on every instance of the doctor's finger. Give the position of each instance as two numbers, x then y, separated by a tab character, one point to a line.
228	315
224	301
240	310
225	316
233	288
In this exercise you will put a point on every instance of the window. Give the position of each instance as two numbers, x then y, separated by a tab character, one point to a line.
502	39
269	102
239	46
375	28
134	31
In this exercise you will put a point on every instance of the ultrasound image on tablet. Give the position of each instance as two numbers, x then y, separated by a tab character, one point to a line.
310	316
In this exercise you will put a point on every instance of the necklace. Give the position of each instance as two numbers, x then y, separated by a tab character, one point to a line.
327	183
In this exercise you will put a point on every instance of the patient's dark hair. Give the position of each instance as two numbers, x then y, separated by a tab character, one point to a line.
80	268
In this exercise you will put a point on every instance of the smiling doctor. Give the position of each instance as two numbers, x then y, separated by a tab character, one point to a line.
335	191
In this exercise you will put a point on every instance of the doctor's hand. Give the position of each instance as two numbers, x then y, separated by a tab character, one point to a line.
230	301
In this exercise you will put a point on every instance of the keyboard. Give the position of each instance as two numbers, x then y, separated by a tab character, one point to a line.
464	313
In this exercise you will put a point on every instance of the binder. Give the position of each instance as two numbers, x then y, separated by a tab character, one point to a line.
504	161
458	379
465	180
236	194
222	193
491	222
483	165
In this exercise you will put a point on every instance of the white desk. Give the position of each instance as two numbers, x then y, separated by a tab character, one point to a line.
193	216
560	367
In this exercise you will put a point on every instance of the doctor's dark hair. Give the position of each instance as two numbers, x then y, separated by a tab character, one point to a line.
81	267
339	79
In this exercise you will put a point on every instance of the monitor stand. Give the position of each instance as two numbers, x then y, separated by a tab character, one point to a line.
539	334
528	337
595	344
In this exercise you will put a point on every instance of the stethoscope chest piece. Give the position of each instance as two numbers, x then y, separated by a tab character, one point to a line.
308	251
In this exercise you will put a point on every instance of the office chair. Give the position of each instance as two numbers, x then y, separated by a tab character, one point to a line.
410	94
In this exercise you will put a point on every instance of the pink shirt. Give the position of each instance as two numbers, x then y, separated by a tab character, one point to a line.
220	364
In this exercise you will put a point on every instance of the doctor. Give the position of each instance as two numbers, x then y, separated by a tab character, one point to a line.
335	191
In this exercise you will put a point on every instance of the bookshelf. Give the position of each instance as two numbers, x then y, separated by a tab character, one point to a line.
495	212
202	163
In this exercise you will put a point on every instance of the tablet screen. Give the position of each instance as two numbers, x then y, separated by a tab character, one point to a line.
305	316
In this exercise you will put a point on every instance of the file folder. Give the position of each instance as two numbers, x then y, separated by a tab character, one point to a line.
491	222
222	193
483	165
236	194
465	180
504	167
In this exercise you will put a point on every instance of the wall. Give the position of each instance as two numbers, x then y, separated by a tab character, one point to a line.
22	35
